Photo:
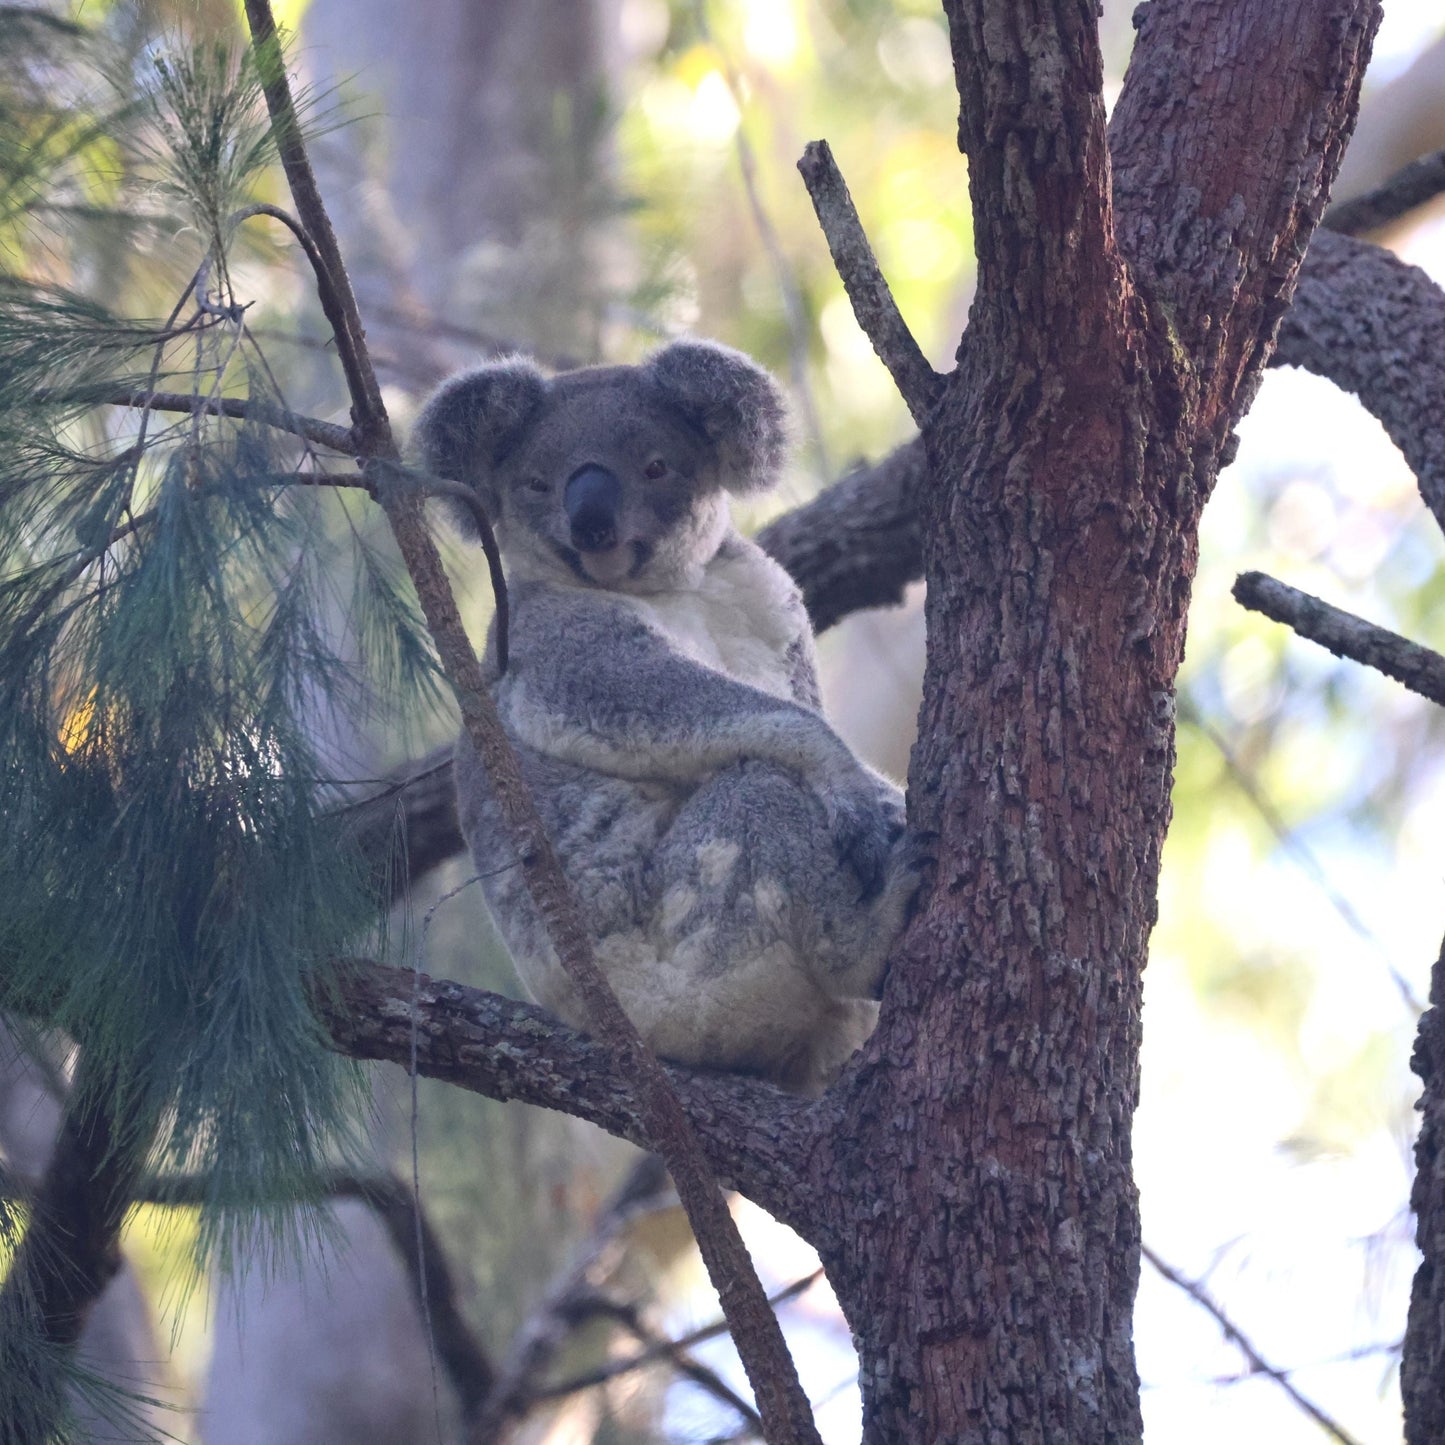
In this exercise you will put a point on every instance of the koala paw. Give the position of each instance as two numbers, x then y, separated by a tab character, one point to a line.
864	836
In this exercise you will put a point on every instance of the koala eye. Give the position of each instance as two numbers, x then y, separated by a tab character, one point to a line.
655	469
540	485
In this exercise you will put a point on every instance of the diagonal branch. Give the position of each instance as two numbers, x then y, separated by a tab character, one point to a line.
1410	187
1258	1365
781	1401
1418	668
868	292
1371	323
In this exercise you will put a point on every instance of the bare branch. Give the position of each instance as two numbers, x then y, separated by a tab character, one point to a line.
1410	187
868	292
656	1352
858	543
1418	668
1372	324
757	1137
322	433
1258	1365
562	1306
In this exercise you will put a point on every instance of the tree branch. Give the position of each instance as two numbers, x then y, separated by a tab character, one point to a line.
868	292
1410	187
563	1305
1418	668
71	1248
322	433
1372	324
1216	222
757	1137
1258	1365
857	544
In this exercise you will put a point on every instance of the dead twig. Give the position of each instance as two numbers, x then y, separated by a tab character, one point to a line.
1419	668
873	304
1411	186
1258	1365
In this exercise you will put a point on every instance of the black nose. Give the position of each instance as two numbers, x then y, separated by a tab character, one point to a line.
592	500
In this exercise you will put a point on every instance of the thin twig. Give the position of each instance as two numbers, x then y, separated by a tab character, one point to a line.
323	433
687	1365
1411	186
662	1350
768	234
1419	668
1292	844
558	1312
872	301
382	473
1258	1365
782	1402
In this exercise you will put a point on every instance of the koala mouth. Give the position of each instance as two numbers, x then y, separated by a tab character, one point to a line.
609	566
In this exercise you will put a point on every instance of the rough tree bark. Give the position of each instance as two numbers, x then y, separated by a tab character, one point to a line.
1422	1371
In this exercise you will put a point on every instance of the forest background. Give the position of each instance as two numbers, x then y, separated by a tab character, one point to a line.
640	186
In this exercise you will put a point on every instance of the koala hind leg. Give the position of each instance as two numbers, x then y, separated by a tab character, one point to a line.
771	948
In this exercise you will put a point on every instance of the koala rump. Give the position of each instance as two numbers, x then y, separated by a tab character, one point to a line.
742	873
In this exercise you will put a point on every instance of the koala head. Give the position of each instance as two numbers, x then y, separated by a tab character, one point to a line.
615	476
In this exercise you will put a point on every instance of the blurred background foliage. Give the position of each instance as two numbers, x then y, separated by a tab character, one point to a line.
581	180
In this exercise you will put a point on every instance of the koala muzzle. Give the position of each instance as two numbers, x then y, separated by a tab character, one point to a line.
593	498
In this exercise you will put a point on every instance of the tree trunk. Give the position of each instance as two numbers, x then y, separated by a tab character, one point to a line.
985	1238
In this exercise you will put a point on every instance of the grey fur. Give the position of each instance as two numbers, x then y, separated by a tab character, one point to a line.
743	874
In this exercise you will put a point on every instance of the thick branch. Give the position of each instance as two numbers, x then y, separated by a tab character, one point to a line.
1344	634
1410	187
868	292
757	1137
1031	122
857	544
1216	221
71	1248
1372	324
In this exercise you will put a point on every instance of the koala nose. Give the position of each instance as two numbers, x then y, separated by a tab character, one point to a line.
592	498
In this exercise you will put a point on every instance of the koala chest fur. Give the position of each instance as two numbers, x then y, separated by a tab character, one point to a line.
743	621
741	872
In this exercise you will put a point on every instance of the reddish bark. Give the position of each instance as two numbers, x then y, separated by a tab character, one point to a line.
987	1245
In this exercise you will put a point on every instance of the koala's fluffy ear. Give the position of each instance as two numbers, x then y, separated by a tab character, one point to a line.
470	422
737	405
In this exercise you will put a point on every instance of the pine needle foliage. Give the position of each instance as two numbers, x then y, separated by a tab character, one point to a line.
176	885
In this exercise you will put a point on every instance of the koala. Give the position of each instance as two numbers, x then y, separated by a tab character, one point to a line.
742	873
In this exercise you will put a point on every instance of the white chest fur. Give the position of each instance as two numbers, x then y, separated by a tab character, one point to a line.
741	620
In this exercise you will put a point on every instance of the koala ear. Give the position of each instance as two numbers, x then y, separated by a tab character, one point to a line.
471	420
736	404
